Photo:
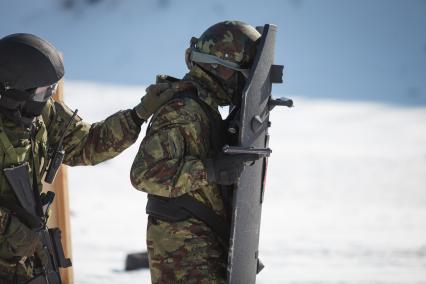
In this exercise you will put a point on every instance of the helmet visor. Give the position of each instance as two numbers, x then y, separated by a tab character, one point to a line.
211	59
42	94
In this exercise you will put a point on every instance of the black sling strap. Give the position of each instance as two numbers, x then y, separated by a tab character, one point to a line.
205	214
36	189
185	206
215	120
30	220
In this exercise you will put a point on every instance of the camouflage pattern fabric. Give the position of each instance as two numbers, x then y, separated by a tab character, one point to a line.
169	164
84	144
230	40
184	252
233	44
90	144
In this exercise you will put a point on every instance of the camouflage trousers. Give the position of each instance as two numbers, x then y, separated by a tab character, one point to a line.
185	252
15	273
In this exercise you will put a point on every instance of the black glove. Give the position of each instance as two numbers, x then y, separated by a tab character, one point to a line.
226	169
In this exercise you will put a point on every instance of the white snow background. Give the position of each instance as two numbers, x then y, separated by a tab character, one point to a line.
345	200
346	191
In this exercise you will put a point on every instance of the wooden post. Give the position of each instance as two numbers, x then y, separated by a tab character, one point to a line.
59	216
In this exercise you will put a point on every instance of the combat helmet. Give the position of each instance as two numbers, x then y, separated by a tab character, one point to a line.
27	61
231	44
30	68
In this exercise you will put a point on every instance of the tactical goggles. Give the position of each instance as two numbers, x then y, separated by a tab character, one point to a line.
211	59
42	94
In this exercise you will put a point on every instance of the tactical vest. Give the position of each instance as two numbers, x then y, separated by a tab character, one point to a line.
183	207
13	155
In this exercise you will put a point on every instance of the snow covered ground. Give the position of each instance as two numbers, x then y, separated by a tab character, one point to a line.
345	201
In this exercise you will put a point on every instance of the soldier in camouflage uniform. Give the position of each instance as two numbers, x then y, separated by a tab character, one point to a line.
29	71
180	161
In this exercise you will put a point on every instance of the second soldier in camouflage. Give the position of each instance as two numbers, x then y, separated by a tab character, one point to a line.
180	164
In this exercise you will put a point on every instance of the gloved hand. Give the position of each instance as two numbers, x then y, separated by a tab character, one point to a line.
226	169
156	96
18	239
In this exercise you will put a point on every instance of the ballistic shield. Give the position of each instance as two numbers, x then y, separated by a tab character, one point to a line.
243	262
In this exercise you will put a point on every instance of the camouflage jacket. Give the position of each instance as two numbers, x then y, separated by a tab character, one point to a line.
84	144
170	158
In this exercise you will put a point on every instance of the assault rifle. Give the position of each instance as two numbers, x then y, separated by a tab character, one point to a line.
34	211
36	217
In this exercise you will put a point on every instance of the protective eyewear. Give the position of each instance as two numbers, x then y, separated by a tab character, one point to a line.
211	59
42	94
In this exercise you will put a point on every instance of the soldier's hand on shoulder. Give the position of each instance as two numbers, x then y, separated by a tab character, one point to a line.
156	96
159	94
226	169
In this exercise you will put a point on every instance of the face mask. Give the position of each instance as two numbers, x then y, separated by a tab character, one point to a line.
32	109
42	94
11	109
23	106
39	96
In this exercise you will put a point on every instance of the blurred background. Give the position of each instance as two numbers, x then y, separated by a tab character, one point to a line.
346	195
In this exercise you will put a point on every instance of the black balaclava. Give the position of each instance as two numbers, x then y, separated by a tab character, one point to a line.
20	106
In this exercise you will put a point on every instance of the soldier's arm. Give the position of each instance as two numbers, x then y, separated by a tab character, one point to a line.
162	166
89	144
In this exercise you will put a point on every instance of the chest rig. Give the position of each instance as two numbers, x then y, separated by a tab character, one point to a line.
17	149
